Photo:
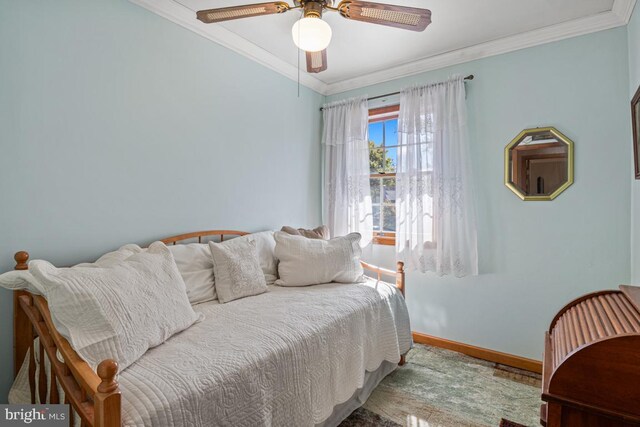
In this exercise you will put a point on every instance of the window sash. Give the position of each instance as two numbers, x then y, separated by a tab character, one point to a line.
381	203
383	114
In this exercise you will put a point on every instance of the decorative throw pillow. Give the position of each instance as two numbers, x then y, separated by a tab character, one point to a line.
196	268
120	310
237	270
305	262
321	232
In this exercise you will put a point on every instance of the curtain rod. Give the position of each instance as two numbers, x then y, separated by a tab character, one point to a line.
469	77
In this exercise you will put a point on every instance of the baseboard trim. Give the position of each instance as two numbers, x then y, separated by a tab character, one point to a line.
480	353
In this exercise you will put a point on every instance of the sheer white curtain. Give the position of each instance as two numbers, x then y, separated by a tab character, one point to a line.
347	197
436	216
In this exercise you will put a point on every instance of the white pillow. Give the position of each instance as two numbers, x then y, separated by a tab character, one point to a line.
113	258
24	280
196	268
20	280
117	311
265	245
237	269
305	261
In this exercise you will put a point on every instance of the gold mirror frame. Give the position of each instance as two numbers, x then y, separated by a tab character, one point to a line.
507	166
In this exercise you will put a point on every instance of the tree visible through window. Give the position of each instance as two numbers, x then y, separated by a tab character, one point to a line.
383	147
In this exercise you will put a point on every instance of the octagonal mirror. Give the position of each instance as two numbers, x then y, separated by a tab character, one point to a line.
538	164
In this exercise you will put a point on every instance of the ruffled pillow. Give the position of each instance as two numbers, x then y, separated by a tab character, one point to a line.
118	307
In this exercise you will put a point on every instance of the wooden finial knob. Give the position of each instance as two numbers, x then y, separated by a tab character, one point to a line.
21	260
107	371
400	277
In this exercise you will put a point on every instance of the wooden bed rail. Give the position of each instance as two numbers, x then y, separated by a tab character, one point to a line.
200	234
398	274
93	396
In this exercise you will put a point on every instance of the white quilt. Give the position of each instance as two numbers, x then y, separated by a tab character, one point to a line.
282	358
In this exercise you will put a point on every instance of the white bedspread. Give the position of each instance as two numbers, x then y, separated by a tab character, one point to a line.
283	358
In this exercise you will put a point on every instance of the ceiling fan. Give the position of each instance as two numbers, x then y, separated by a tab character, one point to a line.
311	33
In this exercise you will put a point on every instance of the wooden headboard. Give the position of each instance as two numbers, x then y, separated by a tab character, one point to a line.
202	234
94	396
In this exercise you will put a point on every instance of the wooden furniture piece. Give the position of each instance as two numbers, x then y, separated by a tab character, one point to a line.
94	396
591	367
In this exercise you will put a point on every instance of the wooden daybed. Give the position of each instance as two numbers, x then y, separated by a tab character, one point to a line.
94	396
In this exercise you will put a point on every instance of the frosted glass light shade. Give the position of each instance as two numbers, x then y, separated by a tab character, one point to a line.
311	34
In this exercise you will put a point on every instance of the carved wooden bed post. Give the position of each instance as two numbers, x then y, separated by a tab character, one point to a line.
400	276
22	329
400	286
107	398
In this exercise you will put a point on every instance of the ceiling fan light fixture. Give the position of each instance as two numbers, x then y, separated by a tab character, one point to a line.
311	34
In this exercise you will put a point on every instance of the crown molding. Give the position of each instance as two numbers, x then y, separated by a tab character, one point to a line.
619	15
552	33
186	18
624	9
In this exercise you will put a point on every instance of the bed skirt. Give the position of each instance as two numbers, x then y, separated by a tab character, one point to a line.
371	381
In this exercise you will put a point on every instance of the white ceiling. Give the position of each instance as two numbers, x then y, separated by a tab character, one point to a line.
362	53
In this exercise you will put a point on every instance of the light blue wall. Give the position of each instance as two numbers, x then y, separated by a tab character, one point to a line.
633	33
118	126
535	256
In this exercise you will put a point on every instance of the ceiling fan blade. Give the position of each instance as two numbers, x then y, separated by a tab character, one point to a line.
408	18
316	61
236	12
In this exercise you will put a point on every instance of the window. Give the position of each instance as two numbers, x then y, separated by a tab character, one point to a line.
383	147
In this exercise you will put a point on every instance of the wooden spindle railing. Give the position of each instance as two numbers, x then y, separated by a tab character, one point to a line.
42	376
32	371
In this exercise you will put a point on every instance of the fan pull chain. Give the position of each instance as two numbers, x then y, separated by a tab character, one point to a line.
298	73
